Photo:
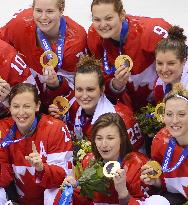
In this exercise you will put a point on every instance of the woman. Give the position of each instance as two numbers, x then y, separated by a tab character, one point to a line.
169	147
110	143
171	62
13	70
44	28
36	150
90	102
114	33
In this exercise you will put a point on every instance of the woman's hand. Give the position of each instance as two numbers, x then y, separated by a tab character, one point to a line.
34	159
120	183
53	111
70	181
120	79
145	171
50	77
4	89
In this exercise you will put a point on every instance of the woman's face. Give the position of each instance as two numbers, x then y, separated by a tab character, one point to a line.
23	109
108	141
176	119
106	21
47	16
87	91
168	67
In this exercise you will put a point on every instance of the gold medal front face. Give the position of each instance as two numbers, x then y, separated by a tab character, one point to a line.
124	60
62	103
110	168
157	170
49	63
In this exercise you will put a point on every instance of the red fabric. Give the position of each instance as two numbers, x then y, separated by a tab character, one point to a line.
140	46
136	188
75	45
177	180
52	142
124	111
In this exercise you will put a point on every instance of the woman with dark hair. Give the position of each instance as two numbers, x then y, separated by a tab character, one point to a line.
171	62
90	102
110	143
169	149
35	150
115	33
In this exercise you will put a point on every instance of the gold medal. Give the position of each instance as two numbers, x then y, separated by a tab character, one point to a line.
52	62
110	168
157	170
62	103
159	112
124	60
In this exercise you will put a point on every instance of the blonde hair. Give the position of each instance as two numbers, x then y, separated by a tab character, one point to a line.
178	91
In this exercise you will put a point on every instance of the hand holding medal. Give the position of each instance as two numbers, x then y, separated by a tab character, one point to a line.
124	61
110	168
49	61
62	103
157	169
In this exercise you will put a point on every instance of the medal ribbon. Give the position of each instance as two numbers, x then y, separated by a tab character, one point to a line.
9	137
66	196
168	156
123	34
60	42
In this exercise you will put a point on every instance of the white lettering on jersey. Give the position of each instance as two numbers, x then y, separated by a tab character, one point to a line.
67	133
20	62
160	31
134	133
42	150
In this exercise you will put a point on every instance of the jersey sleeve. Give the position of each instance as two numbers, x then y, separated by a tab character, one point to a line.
137	189
59	156
6	171
13	68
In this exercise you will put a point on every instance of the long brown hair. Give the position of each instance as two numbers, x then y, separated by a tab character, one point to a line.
106	120
174	42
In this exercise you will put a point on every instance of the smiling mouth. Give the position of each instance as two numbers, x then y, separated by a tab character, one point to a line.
21	119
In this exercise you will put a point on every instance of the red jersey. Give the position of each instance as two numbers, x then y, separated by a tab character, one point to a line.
53	142
137	189
12	69
177	180
143	35
24	39
81	125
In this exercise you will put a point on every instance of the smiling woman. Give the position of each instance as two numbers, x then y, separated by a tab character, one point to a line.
41	29
169	148
114	33
171	62
28	142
